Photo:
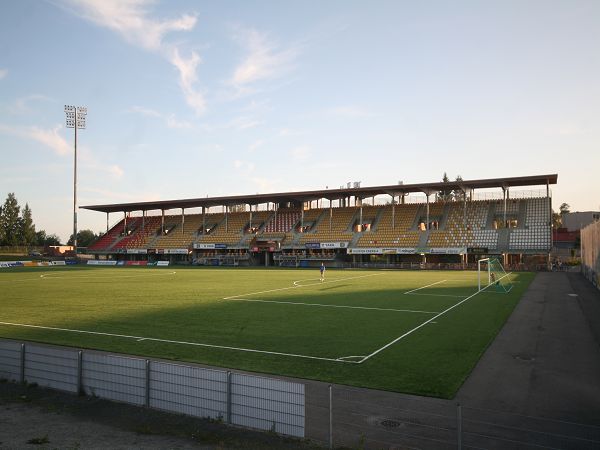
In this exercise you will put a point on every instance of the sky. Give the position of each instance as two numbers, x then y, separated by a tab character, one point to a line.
190	99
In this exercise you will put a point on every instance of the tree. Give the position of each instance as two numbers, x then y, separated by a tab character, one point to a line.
28	236
445	195
565	208
557	217
52	239
9	222
84	238
458	194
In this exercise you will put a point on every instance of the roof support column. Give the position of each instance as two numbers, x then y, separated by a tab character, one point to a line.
226	219
125	223
250	225
203	220
162	222
427	224
361	216
464	209
182	221
302	219
330	215
107	222
504	193
143	220
393	212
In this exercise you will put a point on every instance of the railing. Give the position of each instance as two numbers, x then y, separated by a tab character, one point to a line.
348	417
236	398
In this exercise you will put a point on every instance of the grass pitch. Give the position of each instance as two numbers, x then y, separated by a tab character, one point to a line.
417	332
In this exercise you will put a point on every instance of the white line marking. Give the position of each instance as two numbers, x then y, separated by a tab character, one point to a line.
425	323
344	358
436	295
112	277
331	306
418	289
301	285
169	341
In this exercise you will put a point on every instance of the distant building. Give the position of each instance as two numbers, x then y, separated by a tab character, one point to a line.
577	220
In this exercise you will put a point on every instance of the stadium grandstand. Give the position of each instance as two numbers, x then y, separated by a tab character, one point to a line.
425	224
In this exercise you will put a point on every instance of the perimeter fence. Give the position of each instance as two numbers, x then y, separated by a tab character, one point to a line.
354	418
590	253
235	398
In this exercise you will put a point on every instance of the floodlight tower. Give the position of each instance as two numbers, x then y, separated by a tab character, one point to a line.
75	119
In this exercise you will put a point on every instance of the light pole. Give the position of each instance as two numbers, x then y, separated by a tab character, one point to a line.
75	119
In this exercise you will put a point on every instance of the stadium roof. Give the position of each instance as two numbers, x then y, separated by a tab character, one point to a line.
330	194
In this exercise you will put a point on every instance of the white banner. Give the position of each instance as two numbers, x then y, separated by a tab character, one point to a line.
93	262
175	251
137	251
204	246
334	244
162	263
447	250
382	251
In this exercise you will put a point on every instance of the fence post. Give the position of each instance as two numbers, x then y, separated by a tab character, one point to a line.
229	397
330	416
80	373
147	402
22	363
459	425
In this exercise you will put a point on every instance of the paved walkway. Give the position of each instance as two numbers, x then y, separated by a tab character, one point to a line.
537	382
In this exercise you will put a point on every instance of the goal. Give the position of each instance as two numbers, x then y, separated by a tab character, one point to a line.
491	274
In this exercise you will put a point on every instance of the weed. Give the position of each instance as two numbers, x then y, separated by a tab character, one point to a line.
39	440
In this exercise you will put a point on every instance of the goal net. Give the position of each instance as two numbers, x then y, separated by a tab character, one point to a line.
491	274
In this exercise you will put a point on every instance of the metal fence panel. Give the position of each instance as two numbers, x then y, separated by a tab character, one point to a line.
51	367
590	252
10	361
115	378
188	390
267	404
245	400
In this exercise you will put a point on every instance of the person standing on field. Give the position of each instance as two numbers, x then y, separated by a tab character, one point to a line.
322	269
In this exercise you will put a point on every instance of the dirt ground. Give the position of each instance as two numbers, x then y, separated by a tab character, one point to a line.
33	417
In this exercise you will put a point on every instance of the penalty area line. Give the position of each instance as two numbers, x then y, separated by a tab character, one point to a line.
332	306
418	289
296	286
169	341
389	344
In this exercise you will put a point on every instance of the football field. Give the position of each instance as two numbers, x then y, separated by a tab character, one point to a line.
418	332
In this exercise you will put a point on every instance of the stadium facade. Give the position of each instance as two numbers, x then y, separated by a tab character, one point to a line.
425	224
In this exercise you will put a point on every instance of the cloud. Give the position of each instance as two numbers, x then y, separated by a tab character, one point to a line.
264	60
244	167
170	120
300	153
264	184
256	144
22	105
177	124
3	73
188	78
130	19
145	111
50	138
350	112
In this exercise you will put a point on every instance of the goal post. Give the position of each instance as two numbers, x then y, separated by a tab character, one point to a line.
490	272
